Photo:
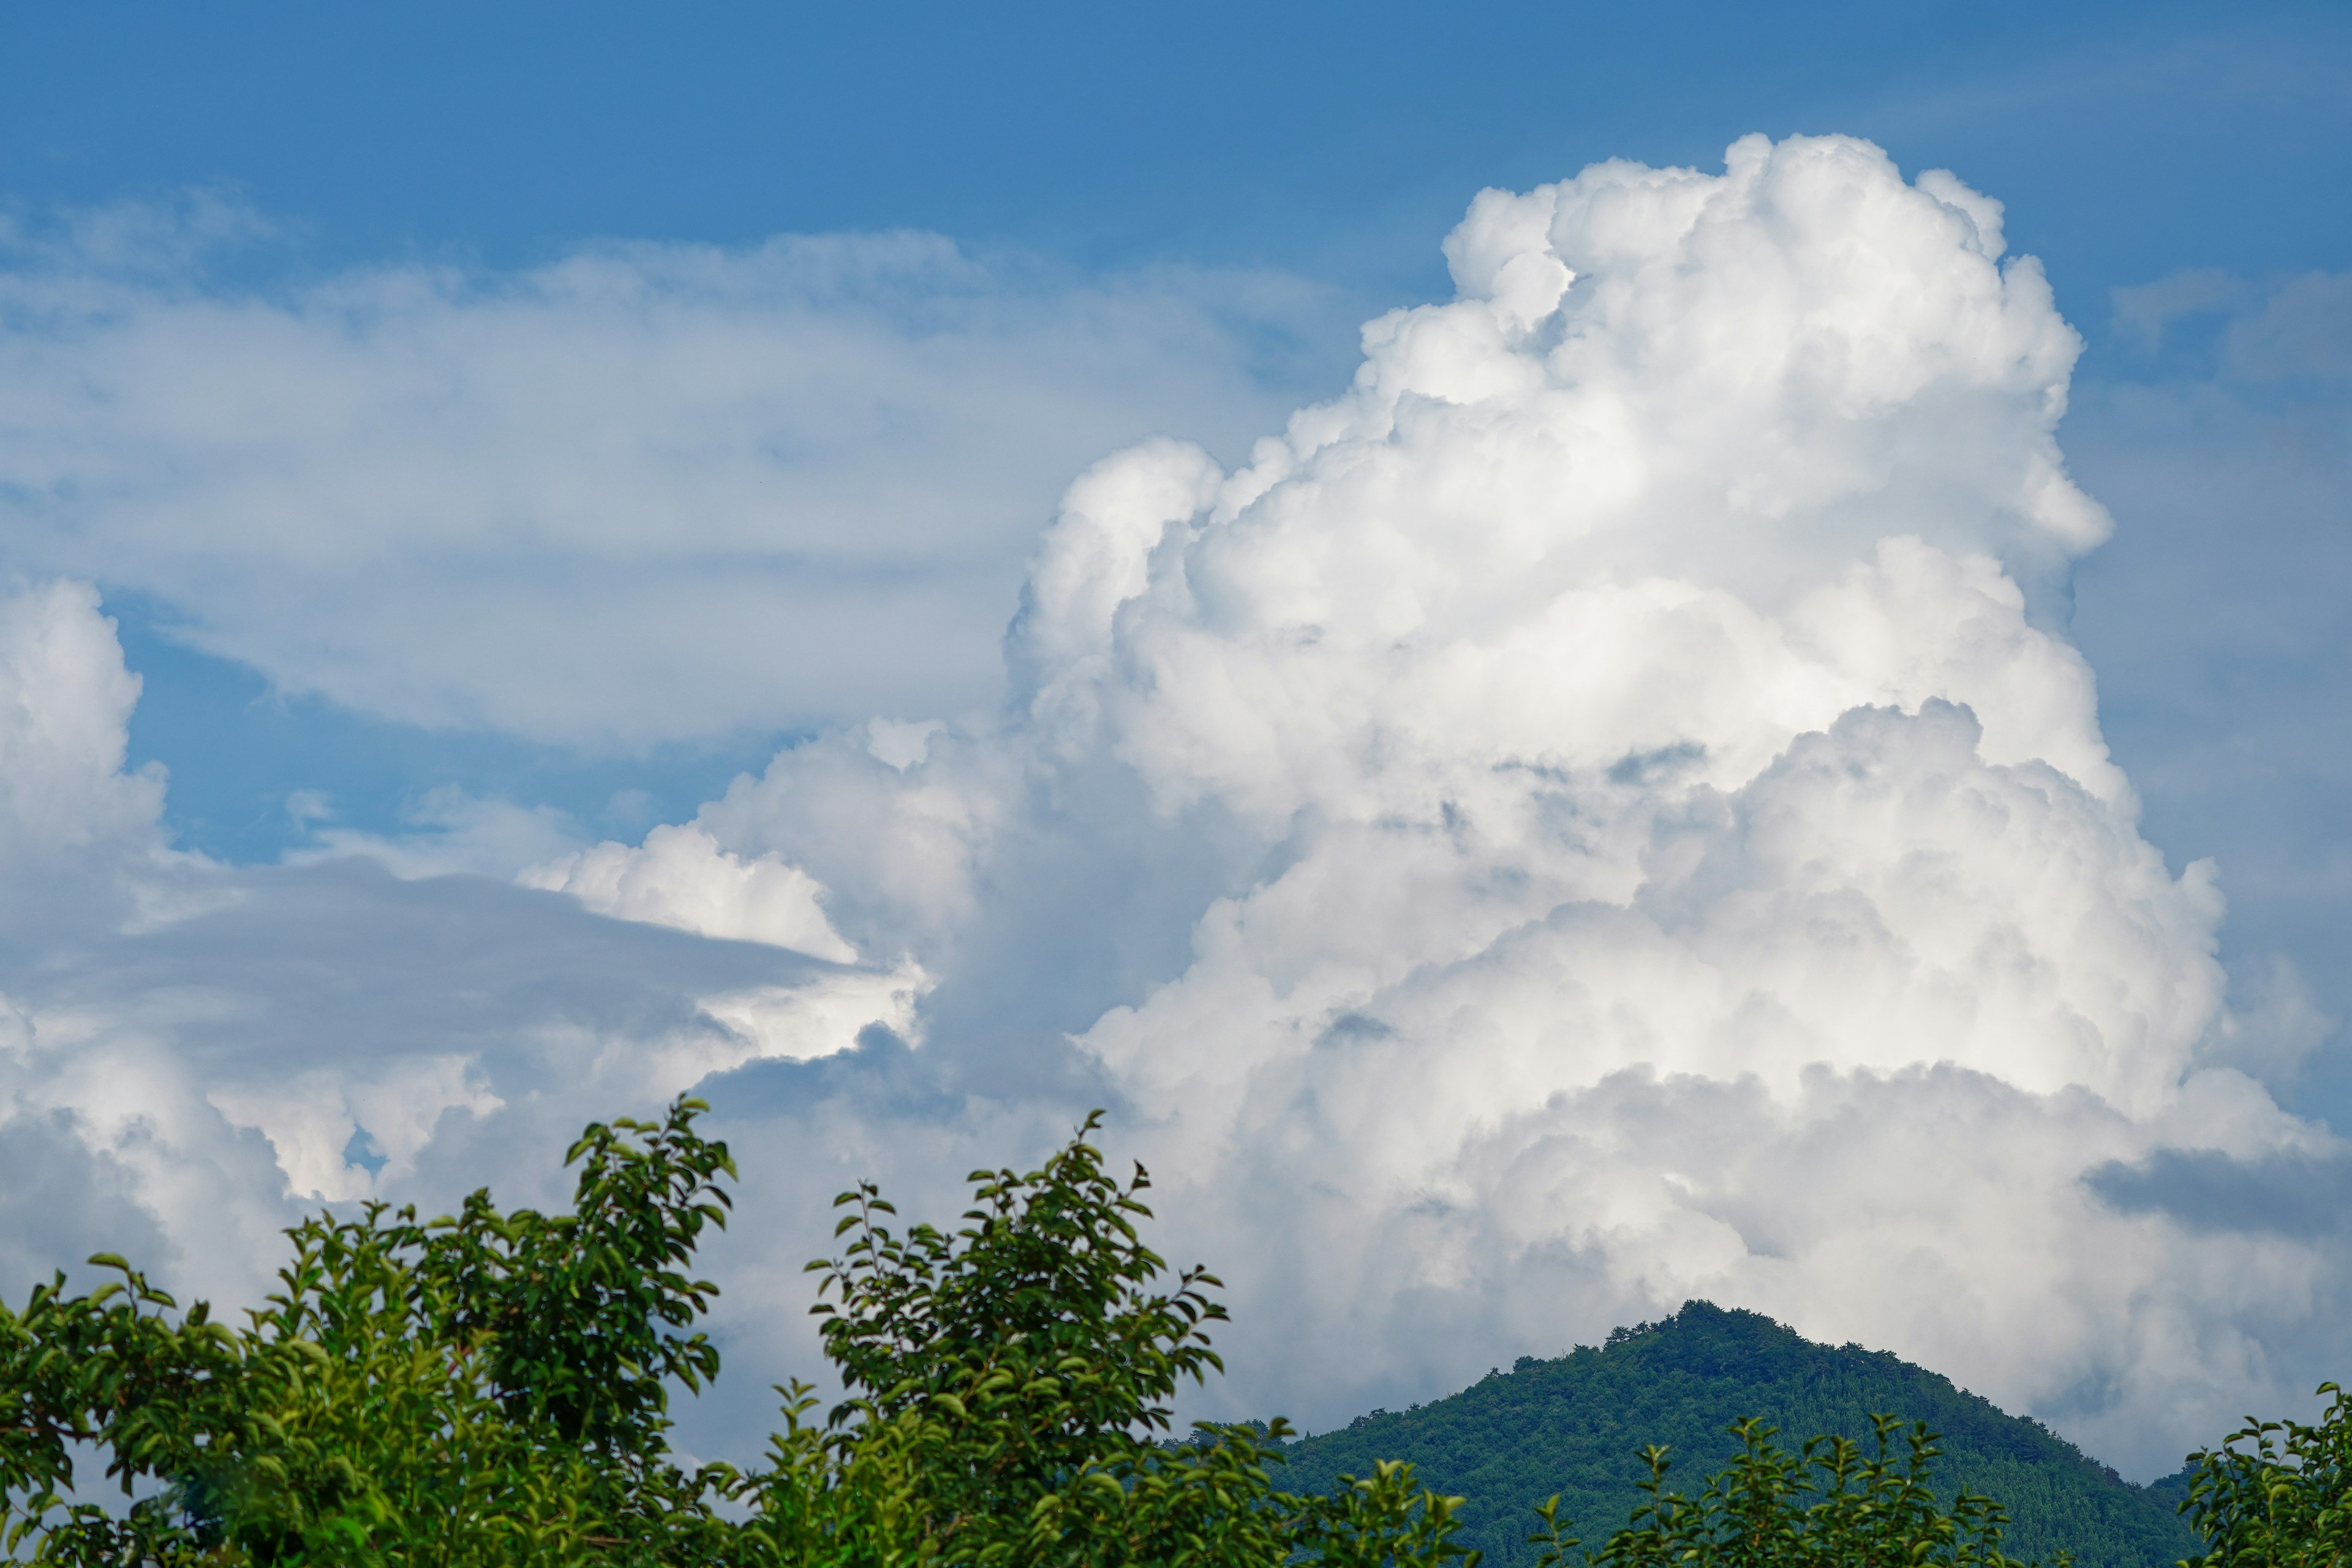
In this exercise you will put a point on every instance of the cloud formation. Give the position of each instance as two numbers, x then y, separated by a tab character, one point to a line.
193	1052
1603	811
1646	832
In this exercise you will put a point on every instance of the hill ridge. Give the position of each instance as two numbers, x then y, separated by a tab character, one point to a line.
1575	1424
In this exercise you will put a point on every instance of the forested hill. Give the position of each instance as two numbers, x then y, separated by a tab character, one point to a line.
1576	1425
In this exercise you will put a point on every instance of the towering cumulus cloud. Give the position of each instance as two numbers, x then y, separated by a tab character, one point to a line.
1603	812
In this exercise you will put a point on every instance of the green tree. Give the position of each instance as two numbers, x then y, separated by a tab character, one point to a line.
2284	1499
1010	1387
491	1388
485	1387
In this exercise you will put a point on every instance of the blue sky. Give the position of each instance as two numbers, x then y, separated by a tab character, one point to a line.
495	430
1329	139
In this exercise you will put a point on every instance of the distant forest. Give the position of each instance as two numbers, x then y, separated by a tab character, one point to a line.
1576	1425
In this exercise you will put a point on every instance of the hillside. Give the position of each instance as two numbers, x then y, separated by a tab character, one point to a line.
1575	1425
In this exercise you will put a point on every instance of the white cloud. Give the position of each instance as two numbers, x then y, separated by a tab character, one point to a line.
795	1023
680	877
1601	812
1640	837
644	493
65	701
312	1120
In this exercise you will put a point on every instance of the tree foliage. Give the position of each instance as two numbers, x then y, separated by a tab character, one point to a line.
1009	1390
2277	1494
482	1387
492	1388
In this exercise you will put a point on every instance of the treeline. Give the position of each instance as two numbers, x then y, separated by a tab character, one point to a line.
1576	1425
491	1387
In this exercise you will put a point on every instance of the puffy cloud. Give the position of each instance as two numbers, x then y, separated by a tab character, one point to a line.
679	877
1643	832
1604	810
65	701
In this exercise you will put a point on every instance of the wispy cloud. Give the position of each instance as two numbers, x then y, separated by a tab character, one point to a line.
645	493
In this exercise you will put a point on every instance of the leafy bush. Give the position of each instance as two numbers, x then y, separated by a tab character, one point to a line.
2284	1500
485	1387
1009	1386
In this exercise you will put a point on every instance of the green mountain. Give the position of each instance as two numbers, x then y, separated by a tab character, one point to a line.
1576	1425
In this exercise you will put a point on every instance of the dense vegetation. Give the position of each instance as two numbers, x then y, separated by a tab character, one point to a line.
491	1388
1577	1426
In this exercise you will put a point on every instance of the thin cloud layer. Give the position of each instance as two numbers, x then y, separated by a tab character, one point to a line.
1605	811
646	493
2223	629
